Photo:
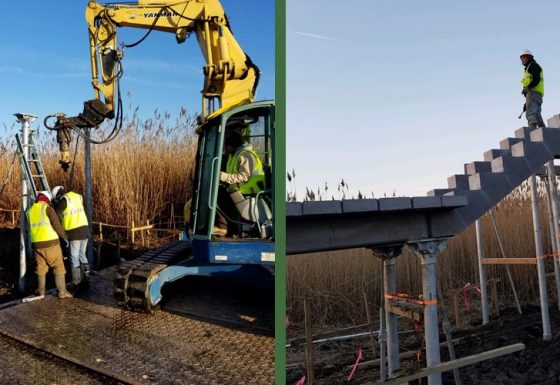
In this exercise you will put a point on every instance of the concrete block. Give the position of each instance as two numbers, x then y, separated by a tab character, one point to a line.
438	191
553	122
294	209
477	166
523	132
360	205
454	201
550	136
536	154
515	169
506	144
494	153
426	202
458	182
394	204
509	164
322	208
495	185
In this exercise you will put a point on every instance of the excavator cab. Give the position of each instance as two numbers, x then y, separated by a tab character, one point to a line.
253	243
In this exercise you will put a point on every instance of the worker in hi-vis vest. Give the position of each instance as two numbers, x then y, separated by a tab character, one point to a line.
533	89
243	173
70	209
45	230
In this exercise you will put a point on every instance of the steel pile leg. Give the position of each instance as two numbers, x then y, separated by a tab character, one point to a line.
555	210
428	251
547	335
390	287
88	198
24	245
482	272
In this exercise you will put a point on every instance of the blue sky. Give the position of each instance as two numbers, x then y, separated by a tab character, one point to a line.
398	95
44	60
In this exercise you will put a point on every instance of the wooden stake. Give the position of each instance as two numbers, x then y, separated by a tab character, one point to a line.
368	315
309	343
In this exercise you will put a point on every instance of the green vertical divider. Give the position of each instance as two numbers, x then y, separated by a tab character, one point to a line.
280	186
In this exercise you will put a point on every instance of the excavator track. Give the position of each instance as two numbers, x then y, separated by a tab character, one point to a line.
132	278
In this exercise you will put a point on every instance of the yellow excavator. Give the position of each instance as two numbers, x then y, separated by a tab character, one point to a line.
228	106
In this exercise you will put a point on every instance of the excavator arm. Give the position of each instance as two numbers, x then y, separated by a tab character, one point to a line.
230	77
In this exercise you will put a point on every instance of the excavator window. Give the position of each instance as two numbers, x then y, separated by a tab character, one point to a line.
255	128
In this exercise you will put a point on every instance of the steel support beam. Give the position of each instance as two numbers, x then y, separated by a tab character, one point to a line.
24	246
428	251
88	195
482	272
390	287
547	335
554	216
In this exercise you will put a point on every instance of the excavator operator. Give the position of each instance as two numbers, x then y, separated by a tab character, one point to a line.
243	176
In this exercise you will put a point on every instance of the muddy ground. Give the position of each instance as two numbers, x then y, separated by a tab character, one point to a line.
538	363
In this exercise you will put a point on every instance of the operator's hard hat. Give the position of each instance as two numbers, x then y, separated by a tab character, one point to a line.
56	191
525	52
45	193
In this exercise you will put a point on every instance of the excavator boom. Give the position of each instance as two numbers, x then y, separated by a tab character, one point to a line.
230	77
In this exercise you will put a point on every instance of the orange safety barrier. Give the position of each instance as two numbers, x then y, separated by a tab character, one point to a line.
548	255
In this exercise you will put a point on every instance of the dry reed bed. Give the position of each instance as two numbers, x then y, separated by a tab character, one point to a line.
334	282
144	174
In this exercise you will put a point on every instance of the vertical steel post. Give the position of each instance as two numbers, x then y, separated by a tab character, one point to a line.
87	198
382	332
547	335
428	251
390	287
482	272
382	346
25	120
555	210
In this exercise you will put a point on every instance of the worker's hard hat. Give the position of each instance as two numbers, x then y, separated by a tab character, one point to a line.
57	191
45	193
525	52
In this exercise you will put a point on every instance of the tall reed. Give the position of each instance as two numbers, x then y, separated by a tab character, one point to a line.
144	174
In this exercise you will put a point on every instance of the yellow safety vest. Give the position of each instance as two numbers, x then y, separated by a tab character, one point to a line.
40	226
73	215
256	181
528	78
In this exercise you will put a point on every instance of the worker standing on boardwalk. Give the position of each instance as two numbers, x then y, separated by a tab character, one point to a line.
70	208
45	230
533	89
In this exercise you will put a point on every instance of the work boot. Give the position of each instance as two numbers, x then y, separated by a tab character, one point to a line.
61	286
219	231
41	283
84	267
76	276
76	279
85	270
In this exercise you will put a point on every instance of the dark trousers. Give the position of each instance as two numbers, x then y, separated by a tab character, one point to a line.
226	209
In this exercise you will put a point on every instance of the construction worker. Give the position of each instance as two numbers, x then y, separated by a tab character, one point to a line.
243	173
45	230
533	89
70	208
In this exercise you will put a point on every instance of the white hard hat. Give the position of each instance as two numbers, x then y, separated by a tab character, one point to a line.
525	52
45	193
57	190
